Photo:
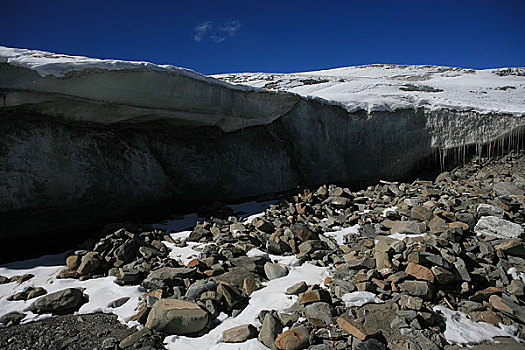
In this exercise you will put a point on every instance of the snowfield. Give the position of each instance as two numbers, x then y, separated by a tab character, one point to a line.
386	87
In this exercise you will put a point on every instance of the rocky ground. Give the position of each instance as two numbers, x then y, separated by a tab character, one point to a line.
409	266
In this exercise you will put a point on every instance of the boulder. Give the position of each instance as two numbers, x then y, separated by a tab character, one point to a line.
179	317
61	302
294	339
239	334
500	228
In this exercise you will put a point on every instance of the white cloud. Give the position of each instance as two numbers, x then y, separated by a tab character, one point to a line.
231	27
201	30
205	30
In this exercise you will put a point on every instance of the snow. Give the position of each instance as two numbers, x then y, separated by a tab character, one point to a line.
101	291
360	299
391	209
340	235
460	329
383	87
271	297
516	275
402	236
378	87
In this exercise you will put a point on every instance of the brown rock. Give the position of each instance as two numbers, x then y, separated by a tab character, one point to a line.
249	285
313	296
419	272
73	262
484	294
355	329
420	213
293	339
239	334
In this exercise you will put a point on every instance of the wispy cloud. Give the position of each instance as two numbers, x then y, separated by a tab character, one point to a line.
201	30
231	27
206	30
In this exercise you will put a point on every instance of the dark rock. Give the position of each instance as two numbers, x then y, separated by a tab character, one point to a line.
297	288
61	302
271	328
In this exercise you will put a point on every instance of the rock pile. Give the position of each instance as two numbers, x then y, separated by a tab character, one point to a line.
457	242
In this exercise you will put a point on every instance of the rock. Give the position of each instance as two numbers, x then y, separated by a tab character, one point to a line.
249	285
89	263
297	288
12	318
431	192
513	246
442	275
312	296
500	228
417	288
361	263
310	246
263	225
275	270
420	213
294	339
167	277
239	334
118	302
442	177
271	328
484	294
319	313
128	276
508	189
230	295
517	288
38	291
410	302
125	252
371	344
195	290
410	227
179	317
61	302
508	307
134	338
110	344
489	210
355	329
420	272
73	262
303	233
21	278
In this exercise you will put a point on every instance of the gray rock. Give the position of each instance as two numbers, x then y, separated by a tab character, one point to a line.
167	277
319	313
195	290
297	288
508	189
517	288
500	228
61	302
239	334
310	246
275	270
271	328
410	302
417	288
174	316
489	210
118	302
110	344
461	270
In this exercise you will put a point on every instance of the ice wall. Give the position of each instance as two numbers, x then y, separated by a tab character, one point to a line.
92	145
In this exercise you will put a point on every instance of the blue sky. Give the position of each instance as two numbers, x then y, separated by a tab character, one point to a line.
273	36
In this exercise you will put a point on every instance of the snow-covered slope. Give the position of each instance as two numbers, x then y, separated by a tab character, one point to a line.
384	87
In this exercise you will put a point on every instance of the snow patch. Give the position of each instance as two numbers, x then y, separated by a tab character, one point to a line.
460	329
360	299
340	235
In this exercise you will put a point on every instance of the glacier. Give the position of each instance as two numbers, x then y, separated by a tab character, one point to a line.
87	141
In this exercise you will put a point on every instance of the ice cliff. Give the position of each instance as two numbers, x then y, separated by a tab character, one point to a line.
85	141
